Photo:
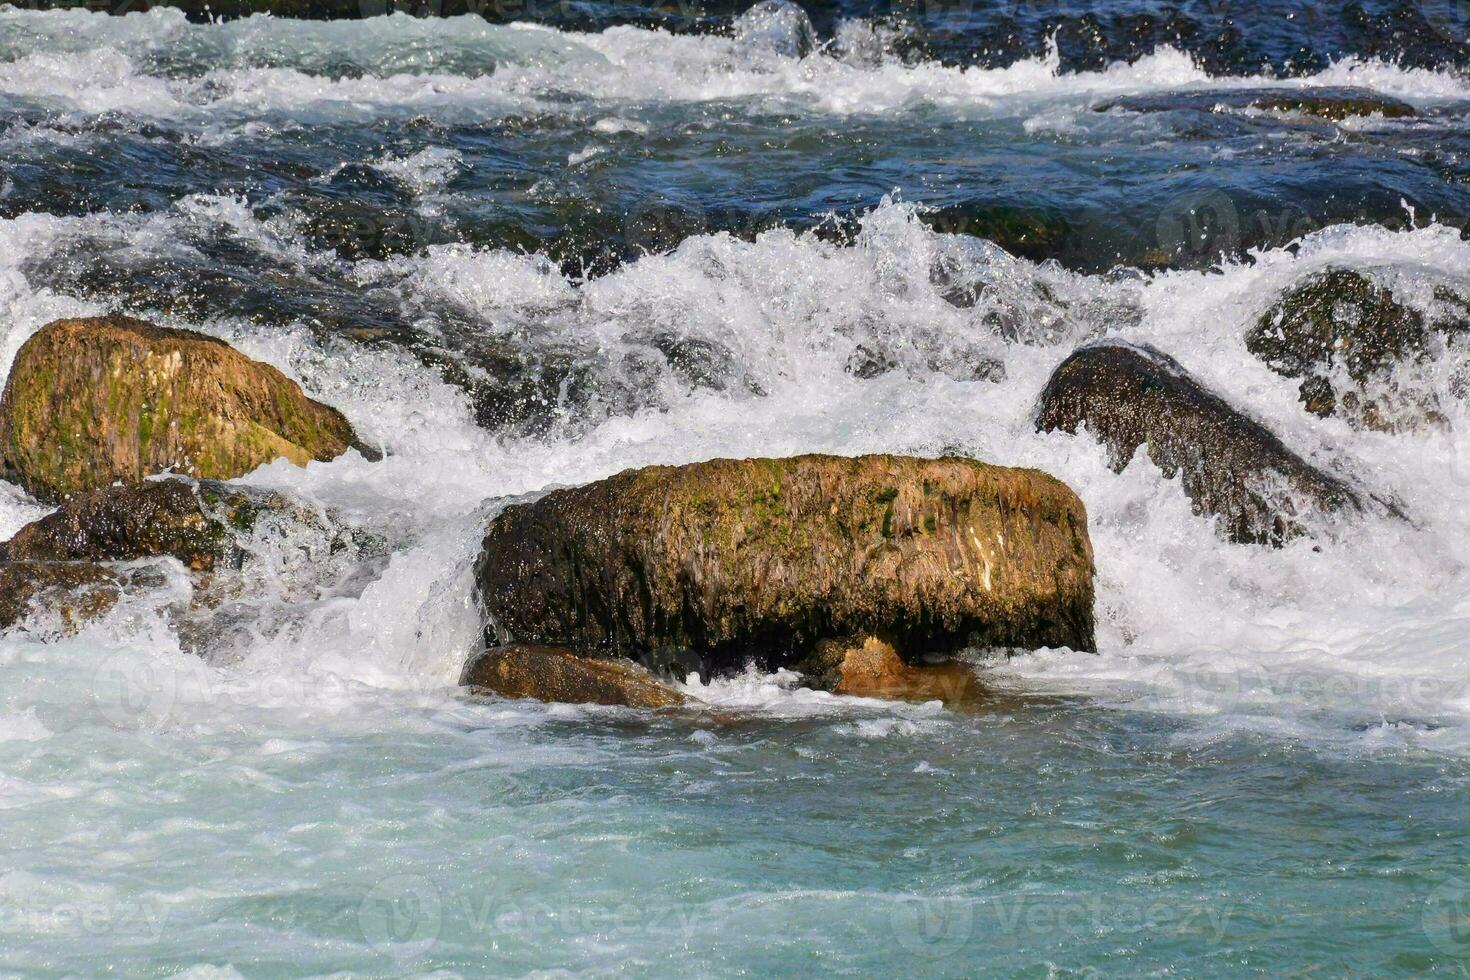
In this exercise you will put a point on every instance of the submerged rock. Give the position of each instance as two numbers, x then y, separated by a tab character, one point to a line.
1345	335
1336	103
74	591
557	674
95	401
761	559
1229	465
79	560
779	26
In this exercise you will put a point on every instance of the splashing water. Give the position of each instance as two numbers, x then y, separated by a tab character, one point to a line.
1269	747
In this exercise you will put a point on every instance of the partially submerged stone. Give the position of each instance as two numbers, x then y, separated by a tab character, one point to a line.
91	402
1129	397
761	559
559	675
186	520
1335	103
73	591
79	560
1346	336
871	668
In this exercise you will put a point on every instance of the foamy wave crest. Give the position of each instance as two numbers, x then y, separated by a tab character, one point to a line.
156	64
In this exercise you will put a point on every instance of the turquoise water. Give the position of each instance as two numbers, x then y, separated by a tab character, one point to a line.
1049	837
519	257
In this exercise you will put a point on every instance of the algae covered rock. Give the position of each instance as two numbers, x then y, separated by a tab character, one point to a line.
1229	465
156	518
761	559
91	402
1346	335
559	675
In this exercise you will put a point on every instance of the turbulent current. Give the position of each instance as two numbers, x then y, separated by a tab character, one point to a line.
519	257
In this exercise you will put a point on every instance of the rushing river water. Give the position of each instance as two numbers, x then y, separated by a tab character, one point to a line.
519	256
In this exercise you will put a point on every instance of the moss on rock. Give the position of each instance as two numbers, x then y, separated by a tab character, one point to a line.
761	559
1345	336
92	402
156	518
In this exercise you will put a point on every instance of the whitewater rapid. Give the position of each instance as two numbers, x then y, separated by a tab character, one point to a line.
1354	639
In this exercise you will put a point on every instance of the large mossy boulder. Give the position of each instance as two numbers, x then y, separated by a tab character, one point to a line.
1129	397
560	675
96	401
1346	336
762	559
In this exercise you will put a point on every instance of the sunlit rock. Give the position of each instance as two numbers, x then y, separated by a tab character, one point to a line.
559	675
762	559
869	667
96	401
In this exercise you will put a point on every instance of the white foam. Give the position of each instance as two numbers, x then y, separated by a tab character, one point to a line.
1363	631
468	68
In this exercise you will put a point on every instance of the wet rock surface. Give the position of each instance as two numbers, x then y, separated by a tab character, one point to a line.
560	675
1348	337
872	668
1323	103
146	520
81	559
761	559
90	402
1131	397
73	591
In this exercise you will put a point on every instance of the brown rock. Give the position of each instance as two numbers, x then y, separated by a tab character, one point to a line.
1230	465
760	559
872	668
557	674
151	519
76	591
95	401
